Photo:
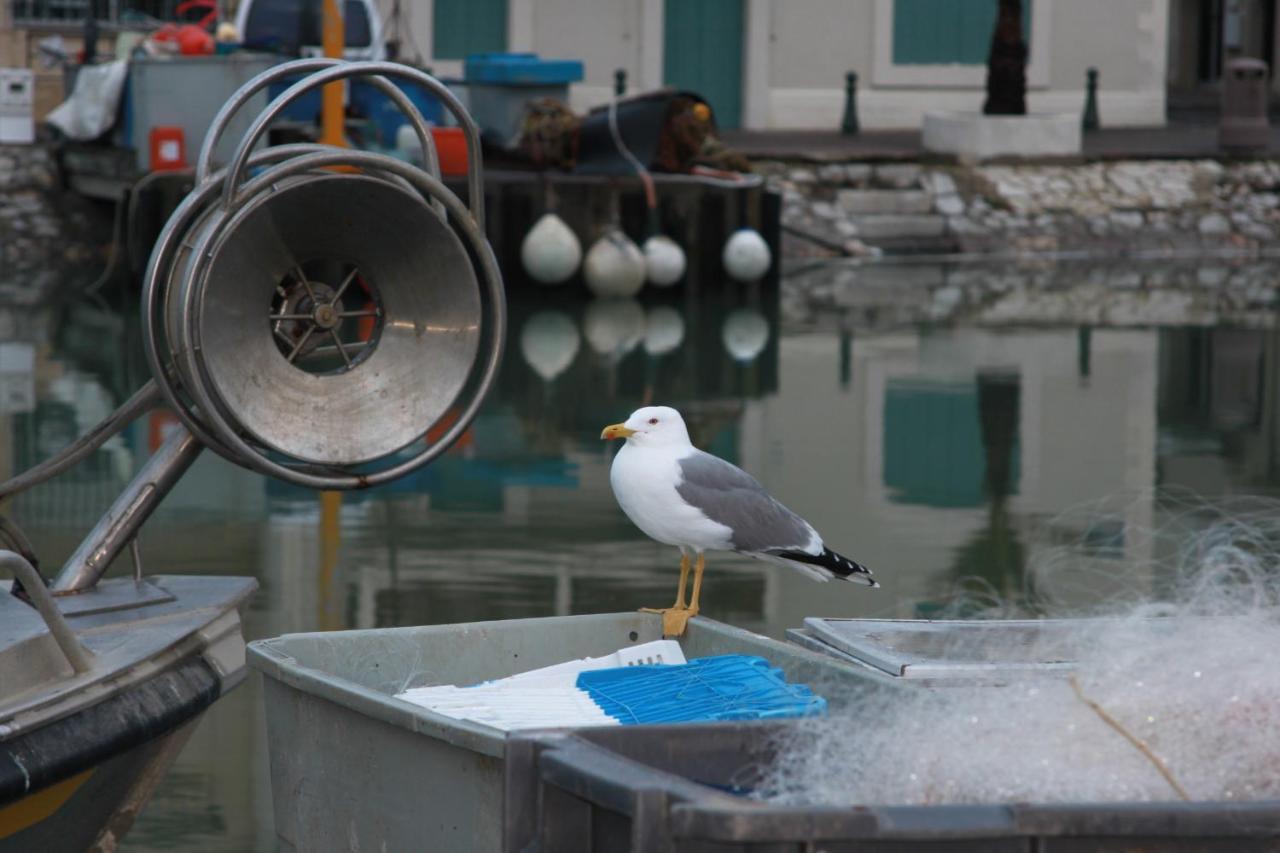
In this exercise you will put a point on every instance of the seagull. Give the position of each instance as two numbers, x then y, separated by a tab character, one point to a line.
682	496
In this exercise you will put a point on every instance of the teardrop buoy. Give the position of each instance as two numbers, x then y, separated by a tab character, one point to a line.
550	252
613	325
745	334
664	260
746	255
663	331
549	342
614	265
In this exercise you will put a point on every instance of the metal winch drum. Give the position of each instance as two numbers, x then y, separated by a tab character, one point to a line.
324	312
326	316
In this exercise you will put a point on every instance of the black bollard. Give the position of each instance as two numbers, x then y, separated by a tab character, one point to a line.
1090	119
849	125
620	82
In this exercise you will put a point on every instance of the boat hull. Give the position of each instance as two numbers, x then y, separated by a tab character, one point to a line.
78	783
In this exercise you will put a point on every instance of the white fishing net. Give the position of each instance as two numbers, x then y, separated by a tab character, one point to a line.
1176	689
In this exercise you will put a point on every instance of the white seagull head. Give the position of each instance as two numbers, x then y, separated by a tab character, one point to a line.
652	426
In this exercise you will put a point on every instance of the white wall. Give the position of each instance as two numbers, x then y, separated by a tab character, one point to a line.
797	53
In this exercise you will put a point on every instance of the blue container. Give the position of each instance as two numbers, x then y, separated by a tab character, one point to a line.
520	69
723	687
365	100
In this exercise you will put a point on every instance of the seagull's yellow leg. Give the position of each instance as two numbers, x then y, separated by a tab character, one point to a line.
684	577
675	617
697	584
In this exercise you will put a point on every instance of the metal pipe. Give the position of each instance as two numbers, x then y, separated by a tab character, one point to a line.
126	515
15	539
373	70
144	399
80	658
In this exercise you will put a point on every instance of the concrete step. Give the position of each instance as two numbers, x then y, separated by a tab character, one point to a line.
885	201
899	226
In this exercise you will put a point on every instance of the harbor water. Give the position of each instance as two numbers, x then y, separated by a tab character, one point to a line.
936	423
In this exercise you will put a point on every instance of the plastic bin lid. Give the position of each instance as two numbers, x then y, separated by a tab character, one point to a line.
914	648
520	69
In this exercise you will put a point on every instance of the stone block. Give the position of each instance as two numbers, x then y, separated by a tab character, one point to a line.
899	176
884	201
893	227
973	137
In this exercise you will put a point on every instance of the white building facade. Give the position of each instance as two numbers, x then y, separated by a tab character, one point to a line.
781	64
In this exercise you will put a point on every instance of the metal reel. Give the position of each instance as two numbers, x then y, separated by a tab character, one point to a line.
315	324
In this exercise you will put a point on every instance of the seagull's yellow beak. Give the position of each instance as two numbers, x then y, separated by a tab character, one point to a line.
616	431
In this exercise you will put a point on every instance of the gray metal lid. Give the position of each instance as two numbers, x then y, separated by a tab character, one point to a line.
913	648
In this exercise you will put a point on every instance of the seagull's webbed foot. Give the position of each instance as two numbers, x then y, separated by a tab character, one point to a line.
676	617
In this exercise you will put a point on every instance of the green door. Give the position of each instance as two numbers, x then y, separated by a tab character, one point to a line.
702	45
463	27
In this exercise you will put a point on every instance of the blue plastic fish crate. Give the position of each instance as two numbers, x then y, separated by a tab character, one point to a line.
725	687
520	69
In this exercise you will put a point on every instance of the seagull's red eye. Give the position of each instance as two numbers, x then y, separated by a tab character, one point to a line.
652	421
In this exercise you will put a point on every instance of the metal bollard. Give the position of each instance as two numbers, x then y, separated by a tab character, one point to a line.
849	125
1090	119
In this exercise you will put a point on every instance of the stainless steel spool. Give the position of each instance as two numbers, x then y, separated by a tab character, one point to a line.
309	312
221	302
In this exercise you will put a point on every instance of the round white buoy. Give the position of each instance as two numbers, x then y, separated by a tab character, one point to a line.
614	265
746	255
613	325
663	331
664	260
550	252
407	147
549	342
745	333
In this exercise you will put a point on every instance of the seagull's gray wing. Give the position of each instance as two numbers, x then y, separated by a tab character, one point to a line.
728	495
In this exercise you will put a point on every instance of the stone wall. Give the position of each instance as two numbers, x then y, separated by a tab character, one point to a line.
854	296
49	237
1149	207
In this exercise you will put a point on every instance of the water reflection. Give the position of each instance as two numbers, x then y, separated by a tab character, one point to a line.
935	452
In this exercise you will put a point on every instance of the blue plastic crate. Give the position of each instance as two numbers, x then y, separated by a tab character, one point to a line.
520	69
365	100
724	687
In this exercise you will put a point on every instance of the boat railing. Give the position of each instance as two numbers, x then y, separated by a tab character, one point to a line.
80	658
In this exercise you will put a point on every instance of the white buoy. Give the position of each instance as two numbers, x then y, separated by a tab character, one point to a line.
549	342
746	255
663	330
745	334
613	325
550	252
614	265
664	260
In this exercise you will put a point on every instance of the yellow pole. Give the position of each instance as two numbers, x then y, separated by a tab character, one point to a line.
331	113
328	617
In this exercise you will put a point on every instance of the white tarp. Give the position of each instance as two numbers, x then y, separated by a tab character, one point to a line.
91	109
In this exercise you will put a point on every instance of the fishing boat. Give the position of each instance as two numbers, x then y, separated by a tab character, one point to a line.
102	688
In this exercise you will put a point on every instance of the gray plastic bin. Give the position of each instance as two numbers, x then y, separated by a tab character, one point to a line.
666	789
353	768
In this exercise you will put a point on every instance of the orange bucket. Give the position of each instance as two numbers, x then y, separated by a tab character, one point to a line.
451	146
